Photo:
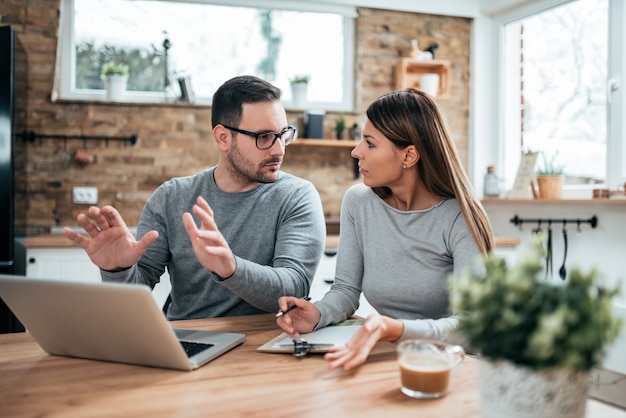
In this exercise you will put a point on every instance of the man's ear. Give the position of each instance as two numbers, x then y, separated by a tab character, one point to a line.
222	137
411	156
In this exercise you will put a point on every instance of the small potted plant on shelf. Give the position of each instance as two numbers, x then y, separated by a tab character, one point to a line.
115	77
550	178
299	89
537	340
340	126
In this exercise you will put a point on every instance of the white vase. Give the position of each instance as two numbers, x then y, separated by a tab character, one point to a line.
115	87
512	391
299	93
430	84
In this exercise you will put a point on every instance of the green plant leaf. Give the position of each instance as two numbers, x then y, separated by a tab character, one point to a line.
112	68
513	313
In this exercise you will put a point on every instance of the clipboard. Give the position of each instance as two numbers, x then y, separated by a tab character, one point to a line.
314	342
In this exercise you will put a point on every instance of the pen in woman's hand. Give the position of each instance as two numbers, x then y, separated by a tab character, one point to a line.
291	308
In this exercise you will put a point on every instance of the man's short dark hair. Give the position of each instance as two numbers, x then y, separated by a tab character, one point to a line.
229	98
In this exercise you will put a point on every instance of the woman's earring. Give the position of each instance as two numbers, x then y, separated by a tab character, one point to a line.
403	165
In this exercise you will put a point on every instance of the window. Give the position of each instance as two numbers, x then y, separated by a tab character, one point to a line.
556	70
207	43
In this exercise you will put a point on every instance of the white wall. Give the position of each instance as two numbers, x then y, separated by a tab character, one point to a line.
603	247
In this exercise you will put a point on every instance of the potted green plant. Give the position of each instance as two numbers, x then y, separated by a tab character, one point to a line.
115	77
537	340
300	79
299	89
340	126
550	177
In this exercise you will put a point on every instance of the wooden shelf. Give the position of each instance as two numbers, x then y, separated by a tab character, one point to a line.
409	71
507	242
555	201
332	143
343	143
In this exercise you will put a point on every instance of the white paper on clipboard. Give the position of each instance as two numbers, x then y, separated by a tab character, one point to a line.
335	336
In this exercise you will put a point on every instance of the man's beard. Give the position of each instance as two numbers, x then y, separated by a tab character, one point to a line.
244	170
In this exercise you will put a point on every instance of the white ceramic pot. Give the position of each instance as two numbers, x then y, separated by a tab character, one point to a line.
511	391
299	93
115	87
430	84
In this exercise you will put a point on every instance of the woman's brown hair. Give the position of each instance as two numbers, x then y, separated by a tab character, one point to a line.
411	117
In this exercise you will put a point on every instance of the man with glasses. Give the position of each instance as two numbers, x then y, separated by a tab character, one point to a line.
234	237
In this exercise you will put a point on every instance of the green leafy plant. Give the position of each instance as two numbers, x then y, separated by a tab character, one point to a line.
111	68
300	79
550	166
340	124
514	314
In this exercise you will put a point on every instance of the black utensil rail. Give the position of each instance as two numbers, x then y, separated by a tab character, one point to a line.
31	136
593	221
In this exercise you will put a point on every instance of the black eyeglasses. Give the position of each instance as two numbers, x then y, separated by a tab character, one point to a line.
266	140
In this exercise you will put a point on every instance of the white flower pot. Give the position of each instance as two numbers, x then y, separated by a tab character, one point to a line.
115	87
511	391
299	93
430	84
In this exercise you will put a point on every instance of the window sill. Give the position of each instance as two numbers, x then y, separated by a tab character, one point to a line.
619	201
131	103
167	103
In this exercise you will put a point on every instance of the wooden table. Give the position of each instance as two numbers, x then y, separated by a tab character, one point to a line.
243	382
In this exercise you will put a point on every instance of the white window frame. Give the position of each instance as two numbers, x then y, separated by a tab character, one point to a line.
65	74
493	148
616	95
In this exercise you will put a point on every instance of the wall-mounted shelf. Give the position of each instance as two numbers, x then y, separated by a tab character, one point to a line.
343	143
409	71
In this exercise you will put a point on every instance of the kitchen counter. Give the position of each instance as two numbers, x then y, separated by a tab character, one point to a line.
49	241
507	242
56	240
332	241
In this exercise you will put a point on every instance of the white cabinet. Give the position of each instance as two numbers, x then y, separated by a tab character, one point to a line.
326	272
72	264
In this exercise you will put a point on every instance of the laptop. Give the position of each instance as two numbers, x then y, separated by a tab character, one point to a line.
114	322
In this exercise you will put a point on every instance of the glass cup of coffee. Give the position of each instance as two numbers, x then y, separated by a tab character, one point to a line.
425	367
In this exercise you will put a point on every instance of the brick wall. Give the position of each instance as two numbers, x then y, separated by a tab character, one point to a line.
175	139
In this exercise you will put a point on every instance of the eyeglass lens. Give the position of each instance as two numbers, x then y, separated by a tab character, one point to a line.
266	140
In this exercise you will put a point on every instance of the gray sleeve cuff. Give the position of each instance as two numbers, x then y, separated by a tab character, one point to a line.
433	329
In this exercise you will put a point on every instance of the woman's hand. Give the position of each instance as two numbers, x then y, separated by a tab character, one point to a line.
303	319
358	348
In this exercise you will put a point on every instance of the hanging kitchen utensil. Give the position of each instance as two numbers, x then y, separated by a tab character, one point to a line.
562	270
84	157
549	252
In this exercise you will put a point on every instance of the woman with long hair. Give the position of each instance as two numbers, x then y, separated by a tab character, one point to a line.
413	223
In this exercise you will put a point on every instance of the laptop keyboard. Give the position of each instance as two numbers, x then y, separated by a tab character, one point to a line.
191	349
